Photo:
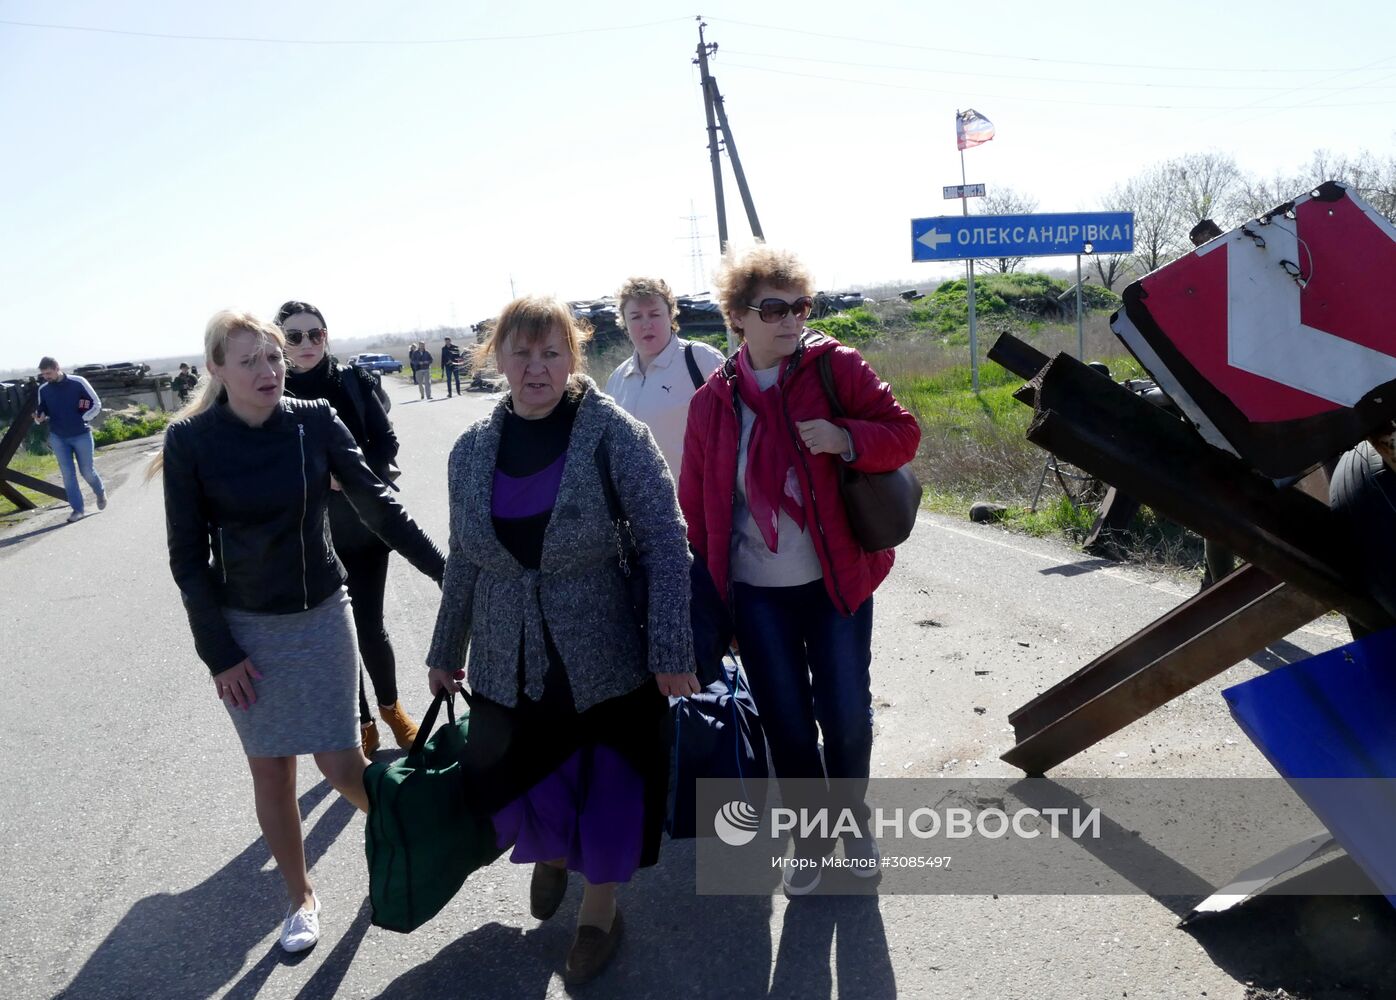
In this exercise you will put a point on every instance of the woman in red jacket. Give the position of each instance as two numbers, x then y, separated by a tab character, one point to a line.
760	491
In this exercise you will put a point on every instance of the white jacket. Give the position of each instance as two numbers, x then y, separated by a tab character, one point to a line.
659	397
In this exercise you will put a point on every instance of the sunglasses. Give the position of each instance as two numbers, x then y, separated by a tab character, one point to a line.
317	336
775	310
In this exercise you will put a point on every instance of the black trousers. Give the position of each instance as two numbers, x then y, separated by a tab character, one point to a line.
367	567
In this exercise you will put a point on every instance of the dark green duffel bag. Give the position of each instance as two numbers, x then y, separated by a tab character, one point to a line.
422	837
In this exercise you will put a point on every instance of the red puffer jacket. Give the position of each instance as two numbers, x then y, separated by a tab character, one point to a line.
884	434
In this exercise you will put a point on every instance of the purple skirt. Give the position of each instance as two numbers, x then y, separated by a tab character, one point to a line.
590	811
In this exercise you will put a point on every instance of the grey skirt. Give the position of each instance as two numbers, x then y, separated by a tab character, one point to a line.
307	695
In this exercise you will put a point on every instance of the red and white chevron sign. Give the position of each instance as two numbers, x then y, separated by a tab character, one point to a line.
1277	339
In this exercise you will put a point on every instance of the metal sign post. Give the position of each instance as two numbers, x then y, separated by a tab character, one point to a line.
1080	328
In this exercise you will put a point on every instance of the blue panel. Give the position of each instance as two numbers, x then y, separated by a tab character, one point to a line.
1333	716
959	237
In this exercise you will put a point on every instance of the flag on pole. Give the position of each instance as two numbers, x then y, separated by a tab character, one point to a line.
972	129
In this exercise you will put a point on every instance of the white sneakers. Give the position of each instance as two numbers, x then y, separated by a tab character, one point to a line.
301	929
76	515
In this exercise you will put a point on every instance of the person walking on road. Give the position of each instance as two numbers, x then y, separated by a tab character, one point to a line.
568	709
452	361
247	477
762	462
69	405
420	359
656	383
313	373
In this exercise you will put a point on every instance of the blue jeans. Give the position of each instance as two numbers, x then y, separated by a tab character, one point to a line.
452	373
76	451
809	670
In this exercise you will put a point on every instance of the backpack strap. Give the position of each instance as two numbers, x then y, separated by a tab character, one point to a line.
693	370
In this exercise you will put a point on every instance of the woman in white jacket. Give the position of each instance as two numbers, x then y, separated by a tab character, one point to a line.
655	383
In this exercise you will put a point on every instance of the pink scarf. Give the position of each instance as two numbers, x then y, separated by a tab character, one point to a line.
771	483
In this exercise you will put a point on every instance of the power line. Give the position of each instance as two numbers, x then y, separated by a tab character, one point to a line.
1053	100
787	30
1048	79
468	39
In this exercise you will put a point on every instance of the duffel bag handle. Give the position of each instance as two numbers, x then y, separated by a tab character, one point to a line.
428	724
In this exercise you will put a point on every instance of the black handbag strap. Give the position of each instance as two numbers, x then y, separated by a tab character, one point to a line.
693	371
603	465
428	723
826	377
625	538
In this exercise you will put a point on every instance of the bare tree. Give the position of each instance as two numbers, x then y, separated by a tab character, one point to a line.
1372	176
1158	235
1006	202
1206	186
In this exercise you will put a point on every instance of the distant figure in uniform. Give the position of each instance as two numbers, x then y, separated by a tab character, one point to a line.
69	405
183	383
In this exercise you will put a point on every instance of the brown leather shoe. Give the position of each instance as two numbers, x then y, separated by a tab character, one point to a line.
591	952
404	729
546	890
370	737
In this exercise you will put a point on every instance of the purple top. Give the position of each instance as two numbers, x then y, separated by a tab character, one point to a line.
527	496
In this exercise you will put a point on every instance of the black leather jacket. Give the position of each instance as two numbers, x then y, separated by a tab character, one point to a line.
245	516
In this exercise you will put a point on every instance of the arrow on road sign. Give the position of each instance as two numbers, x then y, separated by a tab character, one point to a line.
933	239
1266	337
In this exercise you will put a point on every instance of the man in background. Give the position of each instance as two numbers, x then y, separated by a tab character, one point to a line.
451	365
69	405
184	382
420	359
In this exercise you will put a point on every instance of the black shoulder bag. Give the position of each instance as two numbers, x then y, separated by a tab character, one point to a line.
881	506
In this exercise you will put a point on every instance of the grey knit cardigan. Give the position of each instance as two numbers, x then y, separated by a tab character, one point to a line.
492	603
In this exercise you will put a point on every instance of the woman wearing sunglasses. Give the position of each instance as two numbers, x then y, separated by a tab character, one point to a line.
313	373
760	491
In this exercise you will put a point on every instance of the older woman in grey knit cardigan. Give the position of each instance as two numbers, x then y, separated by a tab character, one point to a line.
568	693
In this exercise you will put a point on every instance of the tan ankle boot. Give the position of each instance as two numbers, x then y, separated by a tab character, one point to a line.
404	729
370	736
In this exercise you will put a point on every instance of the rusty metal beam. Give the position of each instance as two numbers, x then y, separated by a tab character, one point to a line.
15	497
1021	359
1130	681
1105	429
1194	616
29	482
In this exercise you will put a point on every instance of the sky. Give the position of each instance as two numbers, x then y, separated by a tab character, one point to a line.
405	166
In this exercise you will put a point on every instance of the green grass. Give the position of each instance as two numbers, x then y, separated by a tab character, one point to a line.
118	427
40	467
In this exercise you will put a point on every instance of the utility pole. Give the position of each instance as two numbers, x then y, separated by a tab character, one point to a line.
717	118
709	87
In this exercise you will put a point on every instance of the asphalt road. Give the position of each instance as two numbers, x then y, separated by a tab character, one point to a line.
136	869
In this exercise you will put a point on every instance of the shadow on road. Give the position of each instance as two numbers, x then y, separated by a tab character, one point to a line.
849	927
1078	568
1307	942
8	540
194	943
676	941
1315	946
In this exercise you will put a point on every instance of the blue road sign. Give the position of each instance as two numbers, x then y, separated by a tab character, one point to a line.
960	237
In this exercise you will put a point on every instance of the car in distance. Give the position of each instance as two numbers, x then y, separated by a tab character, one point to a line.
376	362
